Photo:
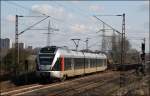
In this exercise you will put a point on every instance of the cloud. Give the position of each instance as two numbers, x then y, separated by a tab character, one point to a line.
58	12
70	15
43	8
95	8
84	28
146	3
146	25
78	28
75	2
11	18
144	6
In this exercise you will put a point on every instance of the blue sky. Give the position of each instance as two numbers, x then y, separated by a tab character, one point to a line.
75	19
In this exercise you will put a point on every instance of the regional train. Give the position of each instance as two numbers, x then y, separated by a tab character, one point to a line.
60	63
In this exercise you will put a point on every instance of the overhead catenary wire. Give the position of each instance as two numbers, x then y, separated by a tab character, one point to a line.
93	44
107	25
83	14
42	13
32	26
63	22
30	10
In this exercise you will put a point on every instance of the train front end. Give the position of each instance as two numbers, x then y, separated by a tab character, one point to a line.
48	62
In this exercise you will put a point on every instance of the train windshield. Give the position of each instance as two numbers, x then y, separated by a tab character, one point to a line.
46	55
46	61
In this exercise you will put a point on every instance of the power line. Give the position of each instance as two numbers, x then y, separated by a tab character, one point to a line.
33	16
13	3
32	25
108	25
93	44
41	12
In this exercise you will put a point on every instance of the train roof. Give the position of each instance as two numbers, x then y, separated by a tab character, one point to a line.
78	54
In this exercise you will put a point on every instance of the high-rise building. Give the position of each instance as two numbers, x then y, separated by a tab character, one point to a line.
5	43
29	47
21	45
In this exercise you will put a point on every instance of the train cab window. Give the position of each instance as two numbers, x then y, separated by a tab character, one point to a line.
67	63
45	61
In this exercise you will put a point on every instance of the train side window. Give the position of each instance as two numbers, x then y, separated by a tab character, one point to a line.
100	62
89	63
67	63
105	62
72	63
82	62
86	62
95	63
92	63
79	63
75	63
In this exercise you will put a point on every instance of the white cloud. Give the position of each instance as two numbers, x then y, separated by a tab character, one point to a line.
78	28
54	11
146	3
129	27
144	6
95	8
43	8
11	18
70	15
76	2
93	28
57	12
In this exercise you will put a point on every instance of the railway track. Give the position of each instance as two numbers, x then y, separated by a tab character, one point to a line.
72	87
103	84
36	87
74	91
19	89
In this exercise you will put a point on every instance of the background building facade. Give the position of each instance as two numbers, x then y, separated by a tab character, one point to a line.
5	43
